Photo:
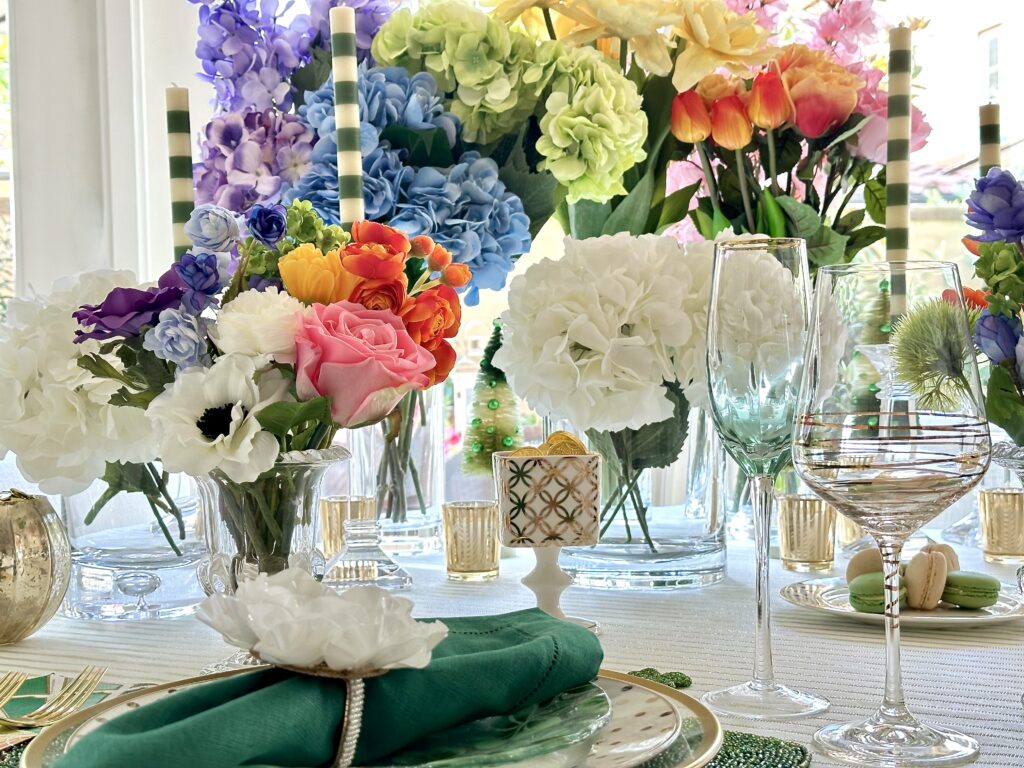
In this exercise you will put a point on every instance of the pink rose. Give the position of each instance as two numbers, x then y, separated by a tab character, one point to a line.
363	359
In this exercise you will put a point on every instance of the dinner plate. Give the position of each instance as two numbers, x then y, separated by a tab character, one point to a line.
649	722
833	596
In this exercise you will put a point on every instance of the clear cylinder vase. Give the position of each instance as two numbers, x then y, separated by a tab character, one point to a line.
400	463
123	568
266	525
668	530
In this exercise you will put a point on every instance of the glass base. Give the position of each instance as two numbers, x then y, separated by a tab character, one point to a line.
802	566
385	574
419	536
895	742
1015	559
625	566
473	575
758	701
966	531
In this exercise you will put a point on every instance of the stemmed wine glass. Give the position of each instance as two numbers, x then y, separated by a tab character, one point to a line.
891	456
757	323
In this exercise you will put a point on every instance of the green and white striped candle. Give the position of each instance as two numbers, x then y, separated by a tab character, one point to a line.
179	146
897	168
346	114
988	128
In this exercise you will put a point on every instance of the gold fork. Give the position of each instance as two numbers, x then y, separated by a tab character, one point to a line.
10	684
71	697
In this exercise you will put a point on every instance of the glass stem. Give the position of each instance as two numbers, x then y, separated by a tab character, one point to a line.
893	706
761	495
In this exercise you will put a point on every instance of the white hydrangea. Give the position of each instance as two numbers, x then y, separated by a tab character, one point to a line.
259	324
56	417
594	336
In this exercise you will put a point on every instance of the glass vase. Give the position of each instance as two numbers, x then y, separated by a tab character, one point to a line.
661	528
400	463
123	568
266	525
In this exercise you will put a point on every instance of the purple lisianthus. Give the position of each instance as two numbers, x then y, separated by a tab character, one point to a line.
997	336
996	207
126	311
267	223
200	274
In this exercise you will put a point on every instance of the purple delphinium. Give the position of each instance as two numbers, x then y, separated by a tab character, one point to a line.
997	336
996	207
251	157
200	274
370	17
126	311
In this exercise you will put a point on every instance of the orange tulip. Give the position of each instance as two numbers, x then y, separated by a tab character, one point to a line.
730	126
768	104
690	119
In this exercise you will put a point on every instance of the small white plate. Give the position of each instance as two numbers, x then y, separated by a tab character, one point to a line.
833	596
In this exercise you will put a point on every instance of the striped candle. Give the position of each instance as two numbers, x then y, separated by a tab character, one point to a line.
346	114
179	146
988	127
897	169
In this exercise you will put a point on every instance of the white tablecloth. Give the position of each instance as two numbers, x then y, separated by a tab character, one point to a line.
970	679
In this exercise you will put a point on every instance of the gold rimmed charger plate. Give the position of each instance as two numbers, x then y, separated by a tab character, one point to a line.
693	738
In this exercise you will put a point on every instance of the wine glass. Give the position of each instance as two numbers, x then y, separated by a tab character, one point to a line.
757	323
891	455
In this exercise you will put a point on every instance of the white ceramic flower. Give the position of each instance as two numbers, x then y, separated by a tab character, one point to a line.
594	335
207	421
56	416
291	618
260	324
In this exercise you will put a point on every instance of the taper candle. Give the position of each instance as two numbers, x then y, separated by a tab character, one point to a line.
346	114
179	146
988	129
897	168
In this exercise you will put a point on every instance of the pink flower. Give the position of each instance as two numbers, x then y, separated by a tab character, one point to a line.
766	11
870	141
845	29
363	359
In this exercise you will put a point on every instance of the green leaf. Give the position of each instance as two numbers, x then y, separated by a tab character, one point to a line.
826	247
587	218
850	221
313	75
426	147
279	418
540	192
804	221
874	198
862	238
630	215
854	124
656	445
1004	405
673	208
719	223
97	366
704	224
774	218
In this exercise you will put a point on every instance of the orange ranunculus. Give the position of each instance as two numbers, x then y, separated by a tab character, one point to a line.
314	277
730	126
433	315
824	94
444	361
690	119
456	275
373	261
973	298
439	258
381	294
373	232
422	245
713	87
768	103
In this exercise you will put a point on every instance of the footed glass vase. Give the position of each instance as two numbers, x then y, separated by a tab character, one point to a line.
661	528
122	567
400	463
266	525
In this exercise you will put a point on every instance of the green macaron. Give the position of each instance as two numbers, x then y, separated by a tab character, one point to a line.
867	593
969	589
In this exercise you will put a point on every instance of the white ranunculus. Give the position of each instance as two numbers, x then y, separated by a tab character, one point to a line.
56	417
206	419
291	618
260	324
594	336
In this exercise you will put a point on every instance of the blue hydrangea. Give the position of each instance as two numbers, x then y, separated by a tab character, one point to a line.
179	338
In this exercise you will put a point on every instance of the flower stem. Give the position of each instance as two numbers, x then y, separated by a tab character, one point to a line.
741	173
550	24
771	162
709	175
236	279
623	54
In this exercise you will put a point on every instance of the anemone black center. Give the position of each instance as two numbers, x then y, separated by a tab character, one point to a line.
216	422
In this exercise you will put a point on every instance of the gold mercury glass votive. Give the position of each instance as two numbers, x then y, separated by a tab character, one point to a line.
1001	514
847	531
807	527
334	511
471	540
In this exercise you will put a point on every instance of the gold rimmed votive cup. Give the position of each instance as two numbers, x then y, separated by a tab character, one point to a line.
334	511
1001	516
807	527
471	546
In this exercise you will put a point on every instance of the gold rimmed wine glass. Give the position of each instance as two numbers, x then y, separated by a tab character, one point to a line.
891	430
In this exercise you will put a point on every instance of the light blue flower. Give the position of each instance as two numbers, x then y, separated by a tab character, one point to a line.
212	228
385	177
179	338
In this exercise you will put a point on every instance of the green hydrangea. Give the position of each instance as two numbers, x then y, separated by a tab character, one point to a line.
593	126
476	58
1001	267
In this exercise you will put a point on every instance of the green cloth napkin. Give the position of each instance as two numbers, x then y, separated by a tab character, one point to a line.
487	665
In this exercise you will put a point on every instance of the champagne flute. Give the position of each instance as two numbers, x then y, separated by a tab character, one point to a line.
891	456
757	323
